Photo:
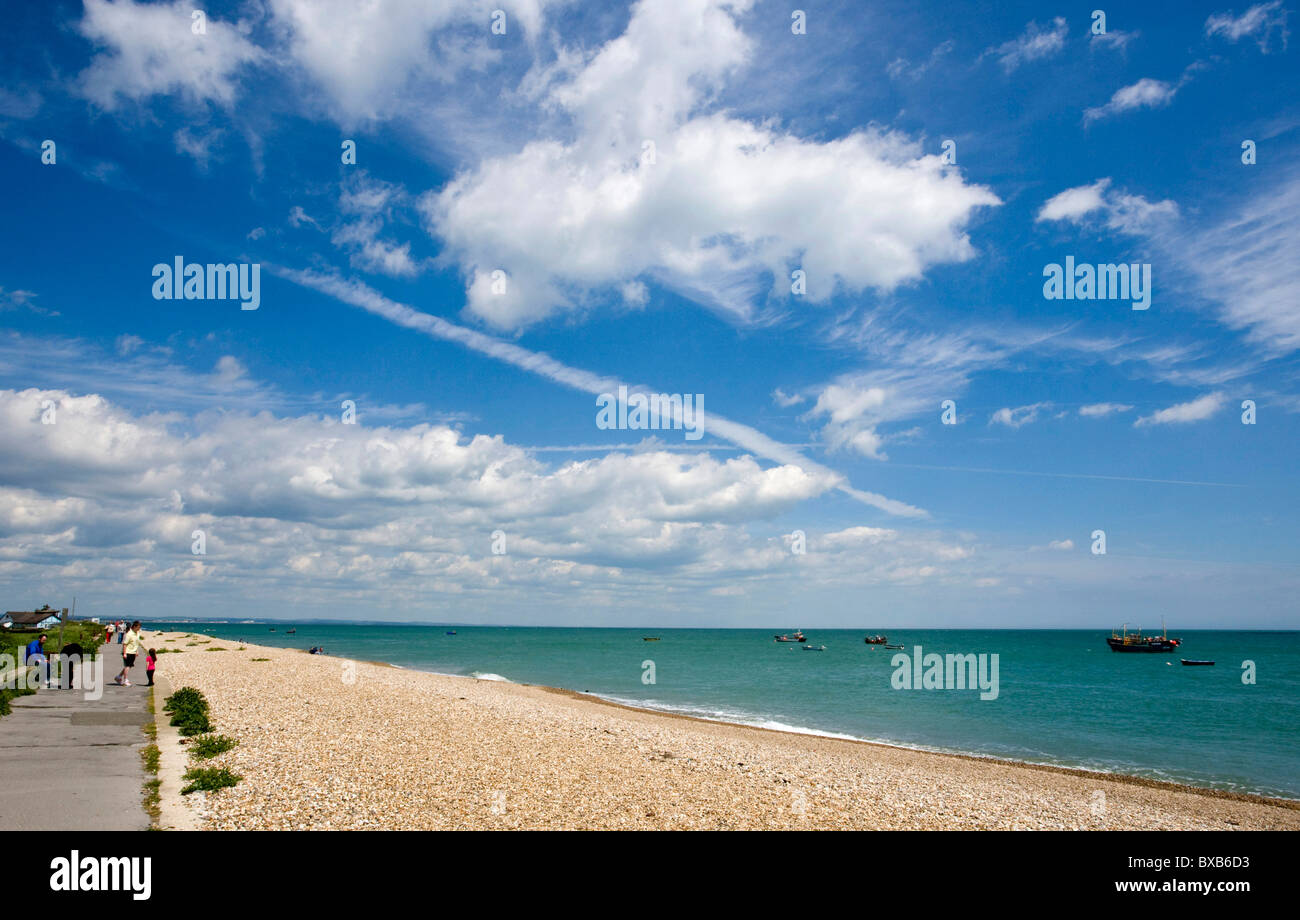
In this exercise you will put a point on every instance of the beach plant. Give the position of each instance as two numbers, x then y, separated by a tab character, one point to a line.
9	694
209	779
189	709
206	747
260	659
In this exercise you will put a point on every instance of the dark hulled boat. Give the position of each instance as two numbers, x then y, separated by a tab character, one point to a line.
798	636
876	640
1136	642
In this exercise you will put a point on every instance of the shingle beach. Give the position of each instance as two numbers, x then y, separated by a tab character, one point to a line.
327	743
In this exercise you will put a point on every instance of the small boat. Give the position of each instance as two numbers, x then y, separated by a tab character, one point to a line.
797	636
814	648
876	640
893	646
1192	661
290	632
272	629
649	638
1136	642
451	632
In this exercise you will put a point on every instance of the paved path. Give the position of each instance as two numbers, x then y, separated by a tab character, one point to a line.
69	763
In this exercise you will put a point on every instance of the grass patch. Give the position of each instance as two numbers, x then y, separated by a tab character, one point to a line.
209	779
259	659
169	651
206	747
215	648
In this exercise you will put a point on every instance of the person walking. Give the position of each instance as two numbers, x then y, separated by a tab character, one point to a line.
151	664
130	648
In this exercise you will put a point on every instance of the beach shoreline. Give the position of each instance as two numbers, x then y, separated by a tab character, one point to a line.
719	774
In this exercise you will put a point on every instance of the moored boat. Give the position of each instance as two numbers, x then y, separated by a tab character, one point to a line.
876	640
1192	661
1126	641
796	636
649	638
814	648
893	646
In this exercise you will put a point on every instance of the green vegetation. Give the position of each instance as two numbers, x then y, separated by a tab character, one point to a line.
7	695
214	648
189	709
209	779
259	659
208	746
167	651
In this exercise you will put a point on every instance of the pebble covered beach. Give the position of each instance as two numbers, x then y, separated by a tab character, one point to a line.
327	743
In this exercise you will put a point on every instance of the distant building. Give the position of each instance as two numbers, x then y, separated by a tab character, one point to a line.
45	618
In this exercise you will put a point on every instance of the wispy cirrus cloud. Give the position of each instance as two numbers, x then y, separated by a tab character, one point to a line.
1034	44
1260	21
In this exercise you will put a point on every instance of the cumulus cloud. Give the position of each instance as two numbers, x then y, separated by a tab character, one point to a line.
1116	209
296	505
651	185
366	57
1196	410
150	49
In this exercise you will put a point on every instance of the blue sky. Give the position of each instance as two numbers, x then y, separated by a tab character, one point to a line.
646	178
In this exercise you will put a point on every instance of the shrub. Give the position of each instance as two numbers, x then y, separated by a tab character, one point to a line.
189	711
209	779
209	746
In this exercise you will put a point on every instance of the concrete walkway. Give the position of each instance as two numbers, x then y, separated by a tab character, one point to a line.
74	764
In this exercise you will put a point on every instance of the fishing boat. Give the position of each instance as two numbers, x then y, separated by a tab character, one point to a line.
876	640
649	638
1192	661
814	648
1126	641
797	636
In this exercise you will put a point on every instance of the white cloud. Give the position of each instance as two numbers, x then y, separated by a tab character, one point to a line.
1101	410
1194	411
785	400
1261	20
726	209
1061	545
1119	210
1115	39
1245	261
298	507
1035	43
369	58
1144	94
150	49
1019	416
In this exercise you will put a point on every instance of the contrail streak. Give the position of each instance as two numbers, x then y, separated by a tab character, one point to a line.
750	439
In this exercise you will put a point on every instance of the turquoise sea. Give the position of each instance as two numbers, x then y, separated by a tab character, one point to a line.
1063	697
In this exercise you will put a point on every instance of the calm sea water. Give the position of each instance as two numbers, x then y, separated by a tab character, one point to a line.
1064	697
